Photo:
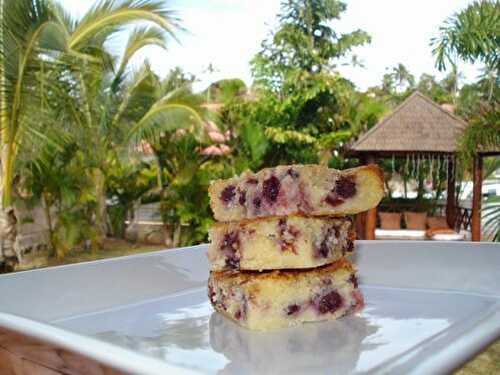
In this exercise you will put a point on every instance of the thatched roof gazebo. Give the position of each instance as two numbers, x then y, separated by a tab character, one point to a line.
418	125
419	128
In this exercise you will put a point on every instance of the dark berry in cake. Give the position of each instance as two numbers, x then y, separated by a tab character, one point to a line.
211	294
333	200
293	173
243	197
345	187
230	241
349	245
229	246
353	280
271	189
257	202
228	194
292	309
328	303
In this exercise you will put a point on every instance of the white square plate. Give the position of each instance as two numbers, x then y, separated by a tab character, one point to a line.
429	307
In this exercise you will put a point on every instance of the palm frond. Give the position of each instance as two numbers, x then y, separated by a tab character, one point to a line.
471	34
132	91
26	24
138	39
491	218
166	116
64	18
107	15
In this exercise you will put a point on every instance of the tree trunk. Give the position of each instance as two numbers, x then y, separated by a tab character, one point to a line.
405	187
388	188
101	214
48	217
420	186
176	236
9	256
8	234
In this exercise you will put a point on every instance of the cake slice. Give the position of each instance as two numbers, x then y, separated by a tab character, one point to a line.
312	190
269	300
279	242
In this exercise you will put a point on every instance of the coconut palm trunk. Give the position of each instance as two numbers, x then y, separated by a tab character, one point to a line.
8	234
101	208
8	228
8	220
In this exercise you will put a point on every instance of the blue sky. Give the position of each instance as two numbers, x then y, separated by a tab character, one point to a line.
228	33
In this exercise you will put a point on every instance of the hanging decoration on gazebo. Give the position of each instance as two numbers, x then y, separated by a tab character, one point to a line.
427	166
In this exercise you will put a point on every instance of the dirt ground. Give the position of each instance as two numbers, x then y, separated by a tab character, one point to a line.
111	248
485	363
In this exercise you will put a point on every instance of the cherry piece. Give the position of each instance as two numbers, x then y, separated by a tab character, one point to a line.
345	187
328	303
293	173
228	194
292	309
353	280
271	189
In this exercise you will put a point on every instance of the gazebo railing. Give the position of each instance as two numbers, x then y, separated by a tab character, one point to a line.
463	218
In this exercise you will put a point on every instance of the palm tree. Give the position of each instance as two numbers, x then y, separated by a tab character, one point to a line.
37	35
101	97
26	28
451	82
490	81
402	76
471	35
181	109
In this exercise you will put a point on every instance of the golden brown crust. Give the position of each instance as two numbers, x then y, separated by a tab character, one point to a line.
254	220
245	276
372	168
375	169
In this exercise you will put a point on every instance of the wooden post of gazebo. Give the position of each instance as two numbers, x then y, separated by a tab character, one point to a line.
450	197
476	198
371	214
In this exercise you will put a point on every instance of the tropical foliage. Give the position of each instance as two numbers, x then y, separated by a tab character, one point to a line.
90	106
304	107
90	135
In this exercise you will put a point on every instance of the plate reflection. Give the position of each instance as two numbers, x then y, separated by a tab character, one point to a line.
309	348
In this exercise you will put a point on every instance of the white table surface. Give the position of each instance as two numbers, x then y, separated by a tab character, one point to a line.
430	306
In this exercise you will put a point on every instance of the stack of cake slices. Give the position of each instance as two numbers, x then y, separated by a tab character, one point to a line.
277	252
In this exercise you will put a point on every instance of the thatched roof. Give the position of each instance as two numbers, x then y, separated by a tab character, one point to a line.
418	125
